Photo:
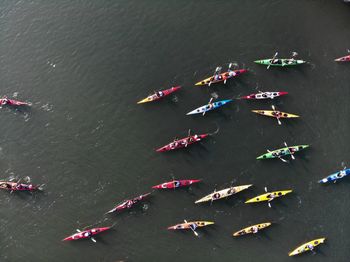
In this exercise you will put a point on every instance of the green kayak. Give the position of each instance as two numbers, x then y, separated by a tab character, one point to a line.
280	62
283	151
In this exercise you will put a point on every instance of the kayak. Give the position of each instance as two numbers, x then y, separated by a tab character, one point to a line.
187	225
343	59
249	230
12	186
176	183
304	247
275	114
183	142
334	177
159	94
269	196
283	151
209	107
280	62
222	193
264	95
11	102
221	77
86	233
128	203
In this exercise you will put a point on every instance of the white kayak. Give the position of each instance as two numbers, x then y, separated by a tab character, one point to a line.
209	107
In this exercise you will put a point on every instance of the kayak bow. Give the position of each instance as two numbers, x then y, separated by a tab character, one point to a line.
221	77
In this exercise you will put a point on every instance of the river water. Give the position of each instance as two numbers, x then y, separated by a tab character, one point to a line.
85	64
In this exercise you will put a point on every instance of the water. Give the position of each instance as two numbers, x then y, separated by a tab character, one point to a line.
84	65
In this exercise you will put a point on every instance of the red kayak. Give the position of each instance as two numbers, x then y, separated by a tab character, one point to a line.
11	102
264	95
343	59
128	203
183	142
159	94
176	183
86	233
12	186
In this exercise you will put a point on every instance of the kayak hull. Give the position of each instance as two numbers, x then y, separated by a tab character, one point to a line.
267	196
223	193
176	183
264	95
206	108
156	96
181	143
282	152
275	114
343	59
127	204
188	224
280	62
81	235
335	176
248	230
304	247
221	77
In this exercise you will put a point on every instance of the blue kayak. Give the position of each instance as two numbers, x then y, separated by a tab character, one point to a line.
334	177
209	107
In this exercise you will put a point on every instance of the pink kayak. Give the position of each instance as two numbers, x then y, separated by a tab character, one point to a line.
183	142
264	95
159	94
12	186
128	203
86	233
343	59
11	102
176	183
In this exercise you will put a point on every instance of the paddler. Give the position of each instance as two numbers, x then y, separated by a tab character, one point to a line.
309	246
341	174
254	229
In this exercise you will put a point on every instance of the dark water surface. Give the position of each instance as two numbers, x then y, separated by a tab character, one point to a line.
84	64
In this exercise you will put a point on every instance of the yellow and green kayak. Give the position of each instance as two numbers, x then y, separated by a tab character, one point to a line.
268	196
250	229
305	247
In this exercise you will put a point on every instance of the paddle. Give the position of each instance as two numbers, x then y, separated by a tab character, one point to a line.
211	99
268	203
215	73
277	117
228	70
272	60
188	137
290	152
194	232
283	160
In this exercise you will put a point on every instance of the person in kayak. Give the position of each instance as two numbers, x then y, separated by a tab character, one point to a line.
216	196
309	246
5	100
176	183
88	234
231	191
341	174
218	77
160	94
254	229
193	226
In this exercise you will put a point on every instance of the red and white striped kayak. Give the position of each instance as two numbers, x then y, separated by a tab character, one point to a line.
11	102
176	183
128	203
13	186
264	95
183	142
343	59
86	233
159	94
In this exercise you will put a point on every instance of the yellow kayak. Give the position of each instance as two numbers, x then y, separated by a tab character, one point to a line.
268	196
250	229
276	114
221	77
223	193
305	247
